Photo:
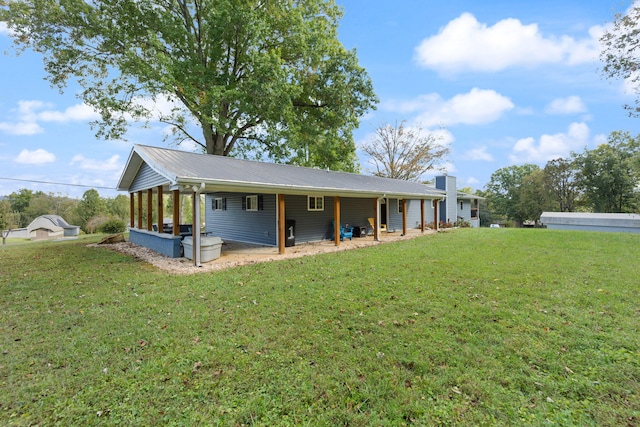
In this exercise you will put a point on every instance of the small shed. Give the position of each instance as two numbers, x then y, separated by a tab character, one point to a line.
616	222
51	227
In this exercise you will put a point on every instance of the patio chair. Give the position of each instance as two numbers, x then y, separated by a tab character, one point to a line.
383	227
344	231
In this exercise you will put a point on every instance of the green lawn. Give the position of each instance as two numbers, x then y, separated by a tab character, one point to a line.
470	327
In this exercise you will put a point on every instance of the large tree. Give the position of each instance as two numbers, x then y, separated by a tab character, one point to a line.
534	197
609	174
404	152
243	76
620	52
19	203
561	179
503	192
8	218
90	206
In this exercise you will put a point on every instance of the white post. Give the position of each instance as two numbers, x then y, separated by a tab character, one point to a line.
377	217
196	226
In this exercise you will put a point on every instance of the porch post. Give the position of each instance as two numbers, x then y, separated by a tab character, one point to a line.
149	208
140	210
376	219
336	219
404	216
281	225
132	210
422	215
176	212
160	210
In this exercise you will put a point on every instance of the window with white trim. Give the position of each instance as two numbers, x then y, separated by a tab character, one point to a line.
252	203
315	203
218	204
400	206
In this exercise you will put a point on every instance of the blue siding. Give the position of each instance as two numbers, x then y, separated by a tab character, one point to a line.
240	225
413	214
261	226
465	212
312	226
394	219
146	178
163	243
355	212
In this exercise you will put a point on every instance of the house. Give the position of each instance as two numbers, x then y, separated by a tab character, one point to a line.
457	205
617	222
46	227
263	203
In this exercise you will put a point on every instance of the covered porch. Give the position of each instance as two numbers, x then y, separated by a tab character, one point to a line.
240	253
257	202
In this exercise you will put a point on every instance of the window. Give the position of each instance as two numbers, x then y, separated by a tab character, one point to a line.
252	203
461	206
219	204
315	203
400	206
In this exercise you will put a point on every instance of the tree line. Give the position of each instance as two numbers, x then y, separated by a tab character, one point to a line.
605	179
92	212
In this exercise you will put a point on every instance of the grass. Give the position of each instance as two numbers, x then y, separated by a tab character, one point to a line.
472	327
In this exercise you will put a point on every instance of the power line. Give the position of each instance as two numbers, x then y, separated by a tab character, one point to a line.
57	183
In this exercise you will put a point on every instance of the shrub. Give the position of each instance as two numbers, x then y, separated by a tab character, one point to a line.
94	224
112	226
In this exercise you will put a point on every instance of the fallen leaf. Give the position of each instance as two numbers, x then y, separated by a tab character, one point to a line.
566	368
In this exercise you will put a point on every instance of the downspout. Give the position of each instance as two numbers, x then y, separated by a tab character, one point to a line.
196	226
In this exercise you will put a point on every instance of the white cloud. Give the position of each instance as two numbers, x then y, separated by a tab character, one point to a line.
549	147
4	30
568	105
479	154
449	168
30	113
478	106
443	137
21	128
472	182
35	157
465	44
78	112
111	164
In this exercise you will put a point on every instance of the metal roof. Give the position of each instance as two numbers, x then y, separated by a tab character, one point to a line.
560	216
220	173
467	196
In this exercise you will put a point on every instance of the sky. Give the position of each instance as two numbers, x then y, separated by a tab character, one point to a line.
500	82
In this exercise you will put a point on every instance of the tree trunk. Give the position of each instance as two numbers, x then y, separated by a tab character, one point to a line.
214	141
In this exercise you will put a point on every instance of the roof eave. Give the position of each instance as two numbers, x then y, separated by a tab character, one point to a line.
226	185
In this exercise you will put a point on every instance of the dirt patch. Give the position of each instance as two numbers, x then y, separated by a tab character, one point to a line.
235	253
